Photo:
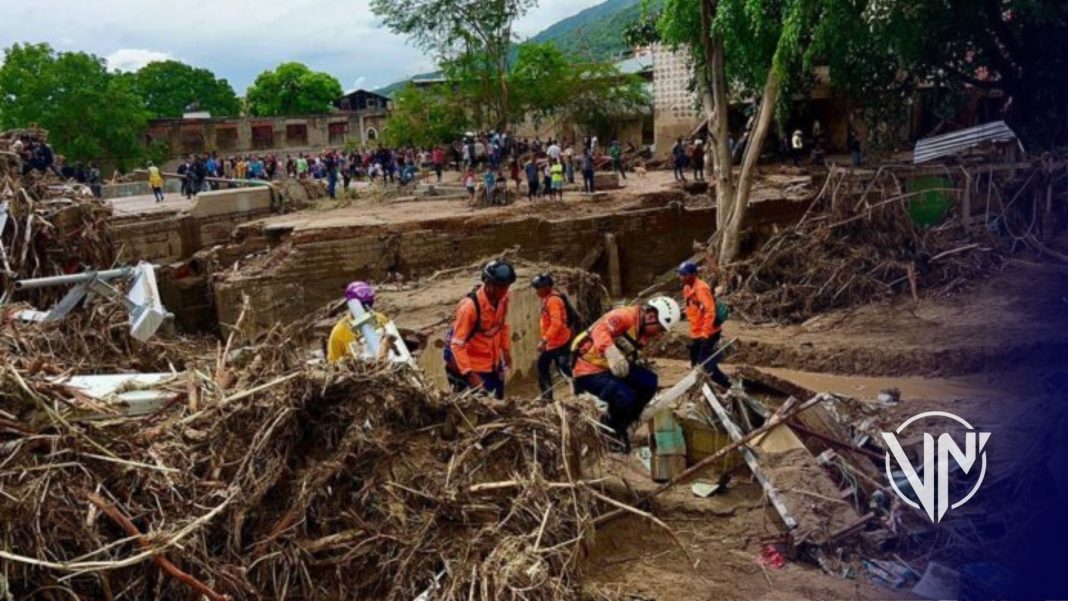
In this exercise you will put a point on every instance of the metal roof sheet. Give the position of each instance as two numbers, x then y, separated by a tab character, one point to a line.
929	149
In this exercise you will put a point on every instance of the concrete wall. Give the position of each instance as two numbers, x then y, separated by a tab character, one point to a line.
312	268
675	113
210	221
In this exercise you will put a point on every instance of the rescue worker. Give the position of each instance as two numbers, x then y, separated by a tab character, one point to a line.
606	357
554	348
342	337
479	344
704	331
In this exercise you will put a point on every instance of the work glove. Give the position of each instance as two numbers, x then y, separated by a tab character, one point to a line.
617	362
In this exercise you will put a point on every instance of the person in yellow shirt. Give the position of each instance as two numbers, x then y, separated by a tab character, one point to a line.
155	181
343	337
556	172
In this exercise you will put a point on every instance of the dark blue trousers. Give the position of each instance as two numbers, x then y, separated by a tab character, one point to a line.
492	383
626	397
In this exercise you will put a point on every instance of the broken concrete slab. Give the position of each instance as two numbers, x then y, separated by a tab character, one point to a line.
227	202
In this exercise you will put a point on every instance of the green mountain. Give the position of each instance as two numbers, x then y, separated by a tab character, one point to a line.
595	34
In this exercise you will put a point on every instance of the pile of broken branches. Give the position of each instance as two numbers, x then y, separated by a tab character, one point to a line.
265	477
47	227
857	244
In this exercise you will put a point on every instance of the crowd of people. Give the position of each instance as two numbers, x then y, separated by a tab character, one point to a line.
37	155
492	160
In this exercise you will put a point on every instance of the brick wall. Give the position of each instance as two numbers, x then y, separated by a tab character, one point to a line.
312	269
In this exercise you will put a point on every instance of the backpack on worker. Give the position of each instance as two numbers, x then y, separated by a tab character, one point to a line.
450	359
723	313
575	323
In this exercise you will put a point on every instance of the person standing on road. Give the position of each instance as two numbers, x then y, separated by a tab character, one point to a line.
587	171
556	172
553	151
797	147
697	160
478	346
469	184
331	174
569	164
155	181
531	171
437	158
554	347
705	331
678	156
616	153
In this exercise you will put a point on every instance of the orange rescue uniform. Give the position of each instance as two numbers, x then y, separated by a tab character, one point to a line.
480	349
700	309
554	330
612	325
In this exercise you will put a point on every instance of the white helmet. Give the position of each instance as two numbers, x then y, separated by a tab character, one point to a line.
667	311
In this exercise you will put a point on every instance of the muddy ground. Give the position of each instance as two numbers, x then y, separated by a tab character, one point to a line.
954	352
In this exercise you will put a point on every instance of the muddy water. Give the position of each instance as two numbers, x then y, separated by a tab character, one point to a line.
995	386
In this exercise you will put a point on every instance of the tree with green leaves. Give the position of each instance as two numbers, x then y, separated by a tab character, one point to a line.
170	87
90	113
545	86
745	48
426	117
541	81
1017	47
292	89
457	28
879	51
595	95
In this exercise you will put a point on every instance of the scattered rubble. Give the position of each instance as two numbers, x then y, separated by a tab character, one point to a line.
47	227
866	238
264	477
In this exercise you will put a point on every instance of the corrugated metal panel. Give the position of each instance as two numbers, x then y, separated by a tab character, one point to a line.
952	143
637	64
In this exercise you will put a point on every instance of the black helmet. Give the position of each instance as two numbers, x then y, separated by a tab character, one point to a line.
542	280
498	272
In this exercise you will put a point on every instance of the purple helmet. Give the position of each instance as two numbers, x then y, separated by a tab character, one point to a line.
361	291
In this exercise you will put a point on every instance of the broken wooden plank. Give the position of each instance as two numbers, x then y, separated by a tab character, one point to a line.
702	465
750	459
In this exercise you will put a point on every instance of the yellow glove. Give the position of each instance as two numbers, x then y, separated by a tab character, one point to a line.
617	362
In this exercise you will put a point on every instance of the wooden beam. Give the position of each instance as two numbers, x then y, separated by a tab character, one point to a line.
615	280
750	459
966	202
695	469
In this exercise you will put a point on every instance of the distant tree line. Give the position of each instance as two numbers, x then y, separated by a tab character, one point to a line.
92	113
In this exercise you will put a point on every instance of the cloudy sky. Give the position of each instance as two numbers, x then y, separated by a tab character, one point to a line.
238	40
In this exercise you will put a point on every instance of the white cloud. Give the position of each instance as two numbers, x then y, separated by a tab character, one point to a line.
132	59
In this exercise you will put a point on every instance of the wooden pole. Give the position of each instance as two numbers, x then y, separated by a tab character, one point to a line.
707	461
165	564
615	280
966	203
